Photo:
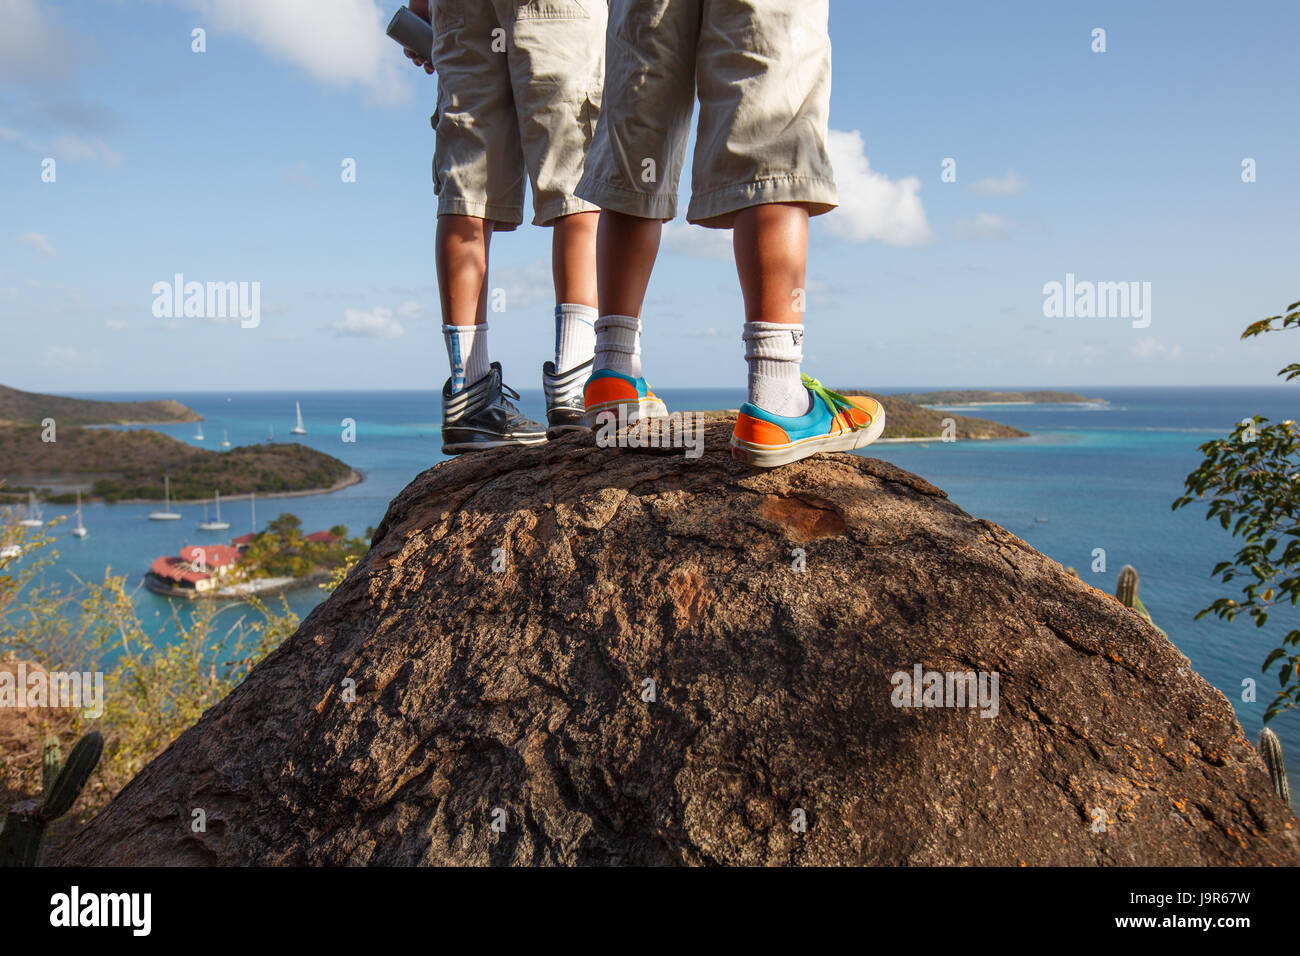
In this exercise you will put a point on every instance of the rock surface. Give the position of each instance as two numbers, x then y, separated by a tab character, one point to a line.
501	632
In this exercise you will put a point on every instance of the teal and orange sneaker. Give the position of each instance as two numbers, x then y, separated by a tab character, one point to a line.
834	423
630	399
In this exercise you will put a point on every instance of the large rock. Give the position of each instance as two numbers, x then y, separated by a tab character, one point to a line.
502	632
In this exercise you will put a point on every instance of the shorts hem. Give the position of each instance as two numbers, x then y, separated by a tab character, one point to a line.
717	208
505	217
627	201
559	208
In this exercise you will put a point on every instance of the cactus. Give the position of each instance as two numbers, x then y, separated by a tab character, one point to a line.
51	757
1126	588
1270	748
20	841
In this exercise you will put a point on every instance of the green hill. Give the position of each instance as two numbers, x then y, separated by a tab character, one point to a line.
31	408
903	419
121	465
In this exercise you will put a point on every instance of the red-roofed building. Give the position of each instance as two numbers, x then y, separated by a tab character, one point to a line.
322	537
210	557
243	541
197	569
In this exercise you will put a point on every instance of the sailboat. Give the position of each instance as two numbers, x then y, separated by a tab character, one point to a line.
80	530
198	435
270	435
217	525
166	514
33	518
298	429
225	439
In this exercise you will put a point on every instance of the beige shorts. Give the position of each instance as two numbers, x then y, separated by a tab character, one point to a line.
519	88
762	69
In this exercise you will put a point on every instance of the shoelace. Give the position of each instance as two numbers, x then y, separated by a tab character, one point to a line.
835	400
507	390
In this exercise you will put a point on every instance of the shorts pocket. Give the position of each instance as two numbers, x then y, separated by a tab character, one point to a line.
553	10
447	15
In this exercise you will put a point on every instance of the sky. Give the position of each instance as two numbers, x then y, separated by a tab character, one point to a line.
982	153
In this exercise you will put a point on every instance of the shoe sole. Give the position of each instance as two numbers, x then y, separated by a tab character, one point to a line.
459	448
628	411
769	456
556	431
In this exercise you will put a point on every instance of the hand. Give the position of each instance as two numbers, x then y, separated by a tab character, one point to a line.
421	9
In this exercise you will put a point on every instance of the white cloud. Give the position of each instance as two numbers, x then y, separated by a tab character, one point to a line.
115	325
1008	185
987	225
341	43
39	242
1148	347
410	309
378	323
873	206
686	239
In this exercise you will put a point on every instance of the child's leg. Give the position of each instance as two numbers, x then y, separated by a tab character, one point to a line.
771	246
461	253
625	256
573	267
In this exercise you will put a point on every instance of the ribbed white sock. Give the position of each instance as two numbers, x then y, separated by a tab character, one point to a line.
467	350
618	344
774	351
575	335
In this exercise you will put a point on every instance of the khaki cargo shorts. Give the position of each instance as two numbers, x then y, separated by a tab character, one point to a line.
519	88
762	69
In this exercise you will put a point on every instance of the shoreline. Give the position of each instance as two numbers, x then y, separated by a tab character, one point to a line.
355	477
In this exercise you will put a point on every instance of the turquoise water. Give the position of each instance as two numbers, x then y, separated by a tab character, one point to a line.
1089	477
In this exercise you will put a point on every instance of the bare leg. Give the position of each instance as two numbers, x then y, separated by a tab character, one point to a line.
573	257
626	247
461	250
771	245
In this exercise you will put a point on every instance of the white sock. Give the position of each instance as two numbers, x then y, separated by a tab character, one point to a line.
575	335
467	351
774	351
618	344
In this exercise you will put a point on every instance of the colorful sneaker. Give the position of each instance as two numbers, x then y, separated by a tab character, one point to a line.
481	416
564	408
834	423
628	398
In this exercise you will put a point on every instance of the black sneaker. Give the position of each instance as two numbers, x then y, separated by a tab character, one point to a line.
564	407
480	416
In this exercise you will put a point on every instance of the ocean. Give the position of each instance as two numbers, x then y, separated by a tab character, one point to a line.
1089	477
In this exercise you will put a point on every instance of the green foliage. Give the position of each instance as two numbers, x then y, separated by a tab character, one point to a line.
1252	482
155	684
283	551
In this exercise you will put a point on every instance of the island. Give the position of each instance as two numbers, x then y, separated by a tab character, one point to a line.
984	397
907	421
32	408
117	466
